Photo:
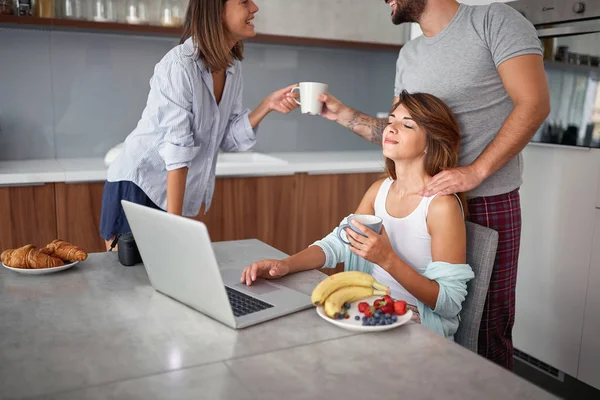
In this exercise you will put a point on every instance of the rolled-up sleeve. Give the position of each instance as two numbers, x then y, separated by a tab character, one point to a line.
239	134
333	248
172	96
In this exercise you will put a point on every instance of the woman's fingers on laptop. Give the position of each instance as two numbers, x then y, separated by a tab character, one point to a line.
252	272
263	269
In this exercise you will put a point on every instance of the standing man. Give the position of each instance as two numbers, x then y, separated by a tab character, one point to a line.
486	63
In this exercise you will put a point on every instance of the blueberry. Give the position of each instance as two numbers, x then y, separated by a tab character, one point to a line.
347	306
364	319
357	318
378	313
372	321
388	315
394	319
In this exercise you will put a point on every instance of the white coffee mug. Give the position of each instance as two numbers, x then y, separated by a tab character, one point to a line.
309	93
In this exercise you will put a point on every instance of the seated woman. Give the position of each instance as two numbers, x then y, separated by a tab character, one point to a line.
421	251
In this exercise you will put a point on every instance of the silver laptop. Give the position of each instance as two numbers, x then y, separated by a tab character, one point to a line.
181	263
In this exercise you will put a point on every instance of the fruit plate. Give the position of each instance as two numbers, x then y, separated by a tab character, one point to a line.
41	271
352	324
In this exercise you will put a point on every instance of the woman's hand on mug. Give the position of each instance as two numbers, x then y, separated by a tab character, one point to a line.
375	248
268	269
282	100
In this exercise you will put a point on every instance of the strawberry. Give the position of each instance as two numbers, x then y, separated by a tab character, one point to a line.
362	306
388	308
400	307
388	299
378	304
369	312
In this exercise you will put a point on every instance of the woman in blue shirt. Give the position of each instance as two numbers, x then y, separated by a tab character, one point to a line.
194	108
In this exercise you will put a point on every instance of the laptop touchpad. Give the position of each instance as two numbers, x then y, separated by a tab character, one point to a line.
258	288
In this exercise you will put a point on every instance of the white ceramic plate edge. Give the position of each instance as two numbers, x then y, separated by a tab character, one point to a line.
356	326
40	271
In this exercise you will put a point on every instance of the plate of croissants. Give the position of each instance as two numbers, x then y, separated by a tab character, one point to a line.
54	257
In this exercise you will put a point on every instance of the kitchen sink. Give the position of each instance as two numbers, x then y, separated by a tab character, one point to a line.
247	158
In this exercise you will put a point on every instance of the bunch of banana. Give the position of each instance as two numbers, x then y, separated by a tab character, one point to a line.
345	287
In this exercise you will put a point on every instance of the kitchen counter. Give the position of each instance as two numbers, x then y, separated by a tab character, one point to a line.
99	330
233	164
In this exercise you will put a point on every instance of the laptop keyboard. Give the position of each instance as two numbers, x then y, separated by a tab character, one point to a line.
242	304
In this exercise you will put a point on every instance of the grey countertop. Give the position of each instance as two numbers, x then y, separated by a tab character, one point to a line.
100	331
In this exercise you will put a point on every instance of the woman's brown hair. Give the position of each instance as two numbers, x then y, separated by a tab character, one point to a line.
441	130
204	24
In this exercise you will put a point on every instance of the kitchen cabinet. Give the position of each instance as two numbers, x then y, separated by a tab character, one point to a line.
78	207
264	208
332	23
324	200
286	212
558	205
346	20
589	362
28	215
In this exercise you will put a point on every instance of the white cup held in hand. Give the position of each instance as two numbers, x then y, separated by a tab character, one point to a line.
309	93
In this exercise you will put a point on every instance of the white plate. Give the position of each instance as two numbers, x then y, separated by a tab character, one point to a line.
40	271
356	326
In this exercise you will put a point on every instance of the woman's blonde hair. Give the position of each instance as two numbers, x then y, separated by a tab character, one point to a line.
204	24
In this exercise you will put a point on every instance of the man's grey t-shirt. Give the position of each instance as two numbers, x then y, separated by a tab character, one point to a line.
459	65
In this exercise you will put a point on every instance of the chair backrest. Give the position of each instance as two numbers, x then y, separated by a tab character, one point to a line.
482	244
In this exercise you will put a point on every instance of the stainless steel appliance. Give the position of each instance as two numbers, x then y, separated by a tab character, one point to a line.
570	33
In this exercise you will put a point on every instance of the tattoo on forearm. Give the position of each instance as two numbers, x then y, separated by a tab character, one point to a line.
354	120
368	127
377	130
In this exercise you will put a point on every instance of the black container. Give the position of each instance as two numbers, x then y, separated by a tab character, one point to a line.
24	8
129	254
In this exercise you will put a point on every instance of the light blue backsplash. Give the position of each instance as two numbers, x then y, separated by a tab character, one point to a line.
73	94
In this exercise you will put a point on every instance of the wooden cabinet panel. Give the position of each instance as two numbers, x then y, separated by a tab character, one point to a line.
263	208
325	200
28	216
78	207
286	212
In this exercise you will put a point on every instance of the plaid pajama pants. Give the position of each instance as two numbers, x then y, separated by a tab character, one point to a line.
501	213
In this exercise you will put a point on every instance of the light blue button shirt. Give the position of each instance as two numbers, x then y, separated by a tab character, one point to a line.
182	126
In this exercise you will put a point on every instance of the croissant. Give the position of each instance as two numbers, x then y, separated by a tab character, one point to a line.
28	257
65	251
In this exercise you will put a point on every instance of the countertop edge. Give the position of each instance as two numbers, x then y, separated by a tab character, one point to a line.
93	169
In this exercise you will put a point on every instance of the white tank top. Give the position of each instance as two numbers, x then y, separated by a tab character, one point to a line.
409	238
